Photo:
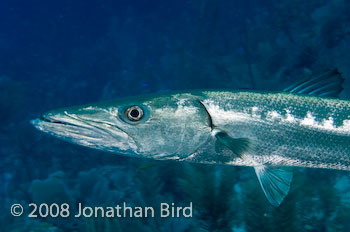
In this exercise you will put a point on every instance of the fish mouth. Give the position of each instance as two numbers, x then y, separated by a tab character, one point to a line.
50	120
54	123
86	131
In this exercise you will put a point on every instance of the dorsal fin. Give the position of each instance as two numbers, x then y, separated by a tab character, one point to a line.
326	84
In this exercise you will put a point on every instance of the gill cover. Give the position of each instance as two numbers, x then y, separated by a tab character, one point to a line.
173	126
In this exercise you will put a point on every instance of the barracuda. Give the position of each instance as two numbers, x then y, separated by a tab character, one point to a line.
304	126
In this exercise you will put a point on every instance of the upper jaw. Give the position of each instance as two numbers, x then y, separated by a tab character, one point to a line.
47	118
54	123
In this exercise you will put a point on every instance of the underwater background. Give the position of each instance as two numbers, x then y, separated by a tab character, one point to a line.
60	53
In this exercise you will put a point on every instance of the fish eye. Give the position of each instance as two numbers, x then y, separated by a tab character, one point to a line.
134	113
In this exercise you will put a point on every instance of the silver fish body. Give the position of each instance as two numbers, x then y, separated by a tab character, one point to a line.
285	129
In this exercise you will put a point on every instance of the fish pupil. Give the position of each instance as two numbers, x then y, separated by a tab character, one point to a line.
134	113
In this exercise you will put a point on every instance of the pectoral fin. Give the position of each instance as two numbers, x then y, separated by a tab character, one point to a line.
219	147
275	182
236	145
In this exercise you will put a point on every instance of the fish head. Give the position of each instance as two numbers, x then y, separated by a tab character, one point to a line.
170	126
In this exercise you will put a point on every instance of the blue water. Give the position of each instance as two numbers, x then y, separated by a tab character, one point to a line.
61	53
